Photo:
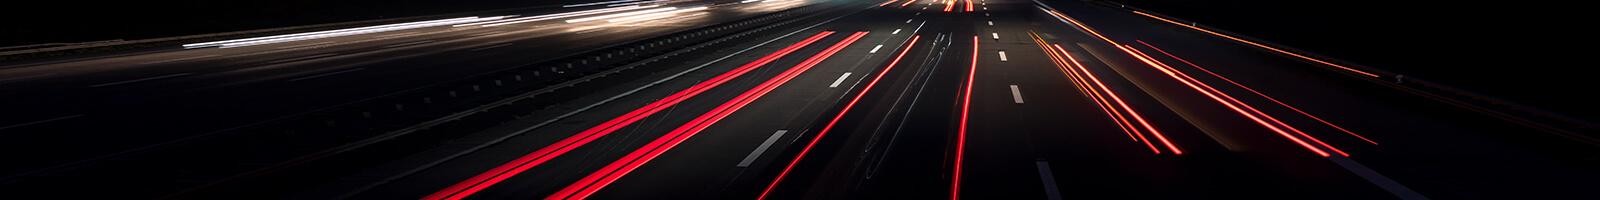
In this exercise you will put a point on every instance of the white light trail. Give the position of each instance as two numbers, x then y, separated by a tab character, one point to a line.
656	15
337	33
557	16
619	15
598	3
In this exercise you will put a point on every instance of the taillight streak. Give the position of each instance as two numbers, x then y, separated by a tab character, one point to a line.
1124	105
599	179
1085	27
835	121
1369	74
493	176
1077	80
1237	106
1258	93
961	134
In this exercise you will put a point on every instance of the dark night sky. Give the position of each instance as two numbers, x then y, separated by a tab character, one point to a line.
1509	49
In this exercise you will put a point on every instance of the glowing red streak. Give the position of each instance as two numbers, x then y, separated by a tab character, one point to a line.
482	181
949	5
1260	45
1077	80
599	179
1124	105
961	134
1236	101
836	118
908	2
1274	100
1082	25
969	5
1247	114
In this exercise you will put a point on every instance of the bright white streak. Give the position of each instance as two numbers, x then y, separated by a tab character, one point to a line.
656	15
347	33
598	3
564	15
626	14
219	43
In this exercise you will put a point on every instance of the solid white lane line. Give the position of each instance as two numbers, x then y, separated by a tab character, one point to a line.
896	31
326	74
1373	177
597	3
9	79
488	33
1003	56
763	148
301	58
400	35
1051	191
841	80
490	47
408	44
305	45
177	59
41	121
138	80
875	49
1016	95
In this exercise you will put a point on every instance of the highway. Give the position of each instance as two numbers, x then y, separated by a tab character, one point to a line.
134	101
901	99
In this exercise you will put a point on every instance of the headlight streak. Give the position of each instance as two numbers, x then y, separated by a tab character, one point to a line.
619	15
554	16
336	33
656	15
598	3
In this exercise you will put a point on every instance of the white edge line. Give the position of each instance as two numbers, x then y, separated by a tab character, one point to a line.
1051	190
41	121
138	80
325	74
